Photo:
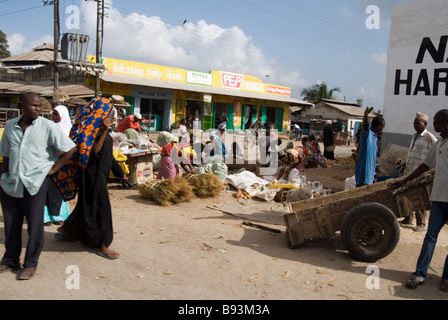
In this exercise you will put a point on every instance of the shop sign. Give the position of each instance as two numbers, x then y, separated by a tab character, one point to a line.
246	83
143	70
202	78
231	80
207	97
417	65
110	87
283	91
152	93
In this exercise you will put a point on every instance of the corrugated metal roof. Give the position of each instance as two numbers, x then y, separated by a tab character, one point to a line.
44	55
45	88
198	88
350	110
43	52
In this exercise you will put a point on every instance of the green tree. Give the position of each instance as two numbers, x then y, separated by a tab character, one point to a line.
319	91
359	101
4	52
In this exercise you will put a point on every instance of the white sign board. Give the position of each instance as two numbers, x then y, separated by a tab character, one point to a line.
417	66
197	77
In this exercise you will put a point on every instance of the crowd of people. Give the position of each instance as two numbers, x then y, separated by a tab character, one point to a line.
46	163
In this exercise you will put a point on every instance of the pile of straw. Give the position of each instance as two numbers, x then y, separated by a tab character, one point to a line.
182	189
205	185
167	191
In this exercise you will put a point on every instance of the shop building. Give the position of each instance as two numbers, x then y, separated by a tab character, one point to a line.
164	95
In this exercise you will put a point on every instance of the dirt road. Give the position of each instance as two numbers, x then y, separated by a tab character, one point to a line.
192	252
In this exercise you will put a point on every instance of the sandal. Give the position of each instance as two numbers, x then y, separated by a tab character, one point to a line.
413	283
62	237
108	255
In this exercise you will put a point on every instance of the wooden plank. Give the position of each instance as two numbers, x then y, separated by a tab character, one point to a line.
294	230
324	222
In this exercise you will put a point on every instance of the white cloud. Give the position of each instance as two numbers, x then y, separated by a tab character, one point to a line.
366	92
380	58
18	43
199	46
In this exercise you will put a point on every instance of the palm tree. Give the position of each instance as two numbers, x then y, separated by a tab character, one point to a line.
318	91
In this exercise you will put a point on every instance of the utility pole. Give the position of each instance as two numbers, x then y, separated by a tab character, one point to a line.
56	44
99	40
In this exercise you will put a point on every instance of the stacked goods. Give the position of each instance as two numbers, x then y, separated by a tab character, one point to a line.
205	185
167	191
242	194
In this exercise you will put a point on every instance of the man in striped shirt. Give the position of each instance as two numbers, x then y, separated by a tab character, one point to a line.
422	141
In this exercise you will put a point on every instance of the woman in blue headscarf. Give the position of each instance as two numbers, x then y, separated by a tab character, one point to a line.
91	220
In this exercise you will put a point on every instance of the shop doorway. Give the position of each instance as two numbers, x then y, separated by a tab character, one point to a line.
193	111
152	113
220	109
272	117
249	115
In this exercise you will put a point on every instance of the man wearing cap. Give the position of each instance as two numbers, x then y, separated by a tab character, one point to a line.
130	122
422	141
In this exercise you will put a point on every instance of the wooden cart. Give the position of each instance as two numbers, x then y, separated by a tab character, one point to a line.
366	217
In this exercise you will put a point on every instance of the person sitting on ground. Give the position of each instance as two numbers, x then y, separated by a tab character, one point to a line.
169	168
130	122
290	158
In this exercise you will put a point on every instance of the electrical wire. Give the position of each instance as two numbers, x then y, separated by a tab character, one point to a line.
18	11
306	65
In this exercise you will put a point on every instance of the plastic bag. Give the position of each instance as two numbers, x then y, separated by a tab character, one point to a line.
266	194
350	183
299	194
220	169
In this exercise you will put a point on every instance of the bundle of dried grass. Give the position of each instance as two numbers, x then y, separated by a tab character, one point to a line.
168	191
205	185
46	105
60	96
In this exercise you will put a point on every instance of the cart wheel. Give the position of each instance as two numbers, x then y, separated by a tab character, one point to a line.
370	231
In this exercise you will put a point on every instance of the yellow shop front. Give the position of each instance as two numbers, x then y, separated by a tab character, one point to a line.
173	93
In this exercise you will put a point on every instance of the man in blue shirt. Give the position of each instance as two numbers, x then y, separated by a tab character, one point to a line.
30	147
366	165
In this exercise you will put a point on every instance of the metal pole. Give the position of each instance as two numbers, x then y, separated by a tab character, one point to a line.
98	47
56	44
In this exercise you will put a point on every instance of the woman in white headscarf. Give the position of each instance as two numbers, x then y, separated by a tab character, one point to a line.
51	213
62	118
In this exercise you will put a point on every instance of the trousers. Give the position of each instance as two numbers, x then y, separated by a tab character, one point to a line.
14	212
437	219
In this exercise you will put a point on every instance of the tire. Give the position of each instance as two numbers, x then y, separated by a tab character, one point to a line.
370	231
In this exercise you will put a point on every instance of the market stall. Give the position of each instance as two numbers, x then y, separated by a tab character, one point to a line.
140	155
141	165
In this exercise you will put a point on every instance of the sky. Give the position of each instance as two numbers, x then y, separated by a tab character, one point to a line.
293	43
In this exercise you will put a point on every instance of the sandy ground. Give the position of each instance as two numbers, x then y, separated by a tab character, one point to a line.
191	252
